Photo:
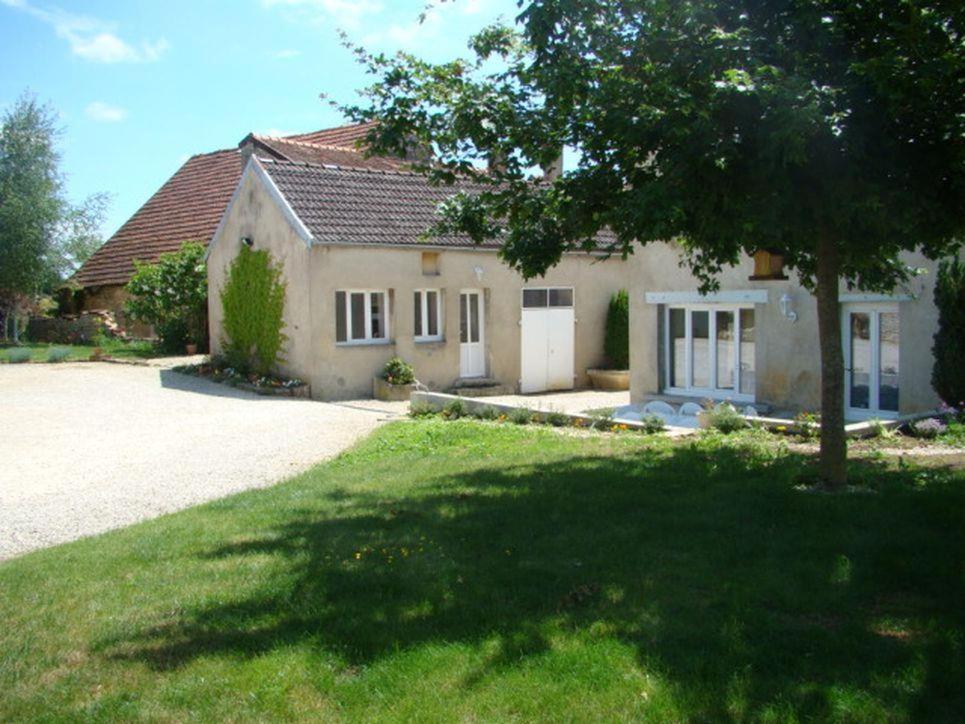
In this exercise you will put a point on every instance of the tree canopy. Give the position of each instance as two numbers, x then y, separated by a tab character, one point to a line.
43	237
833	130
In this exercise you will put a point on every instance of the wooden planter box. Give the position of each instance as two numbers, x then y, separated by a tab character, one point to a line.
382	390
609	379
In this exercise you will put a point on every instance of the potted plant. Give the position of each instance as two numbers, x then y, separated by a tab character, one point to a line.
616	347
397	381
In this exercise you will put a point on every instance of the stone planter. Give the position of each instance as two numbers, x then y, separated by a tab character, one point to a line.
301	391
609	379
382	390
191	349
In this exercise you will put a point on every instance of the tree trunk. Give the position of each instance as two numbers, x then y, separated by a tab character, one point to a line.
834	450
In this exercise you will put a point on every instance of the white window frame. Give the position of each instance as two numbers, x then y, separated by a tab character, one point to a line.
874	310
713	391
419	335
367	310
522	293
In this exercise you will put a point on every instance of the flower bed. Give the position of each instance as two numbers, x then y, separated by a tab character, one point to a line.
259	384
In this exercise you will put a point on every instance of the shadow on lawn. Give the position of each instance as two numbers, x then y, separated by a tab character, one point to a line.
717	573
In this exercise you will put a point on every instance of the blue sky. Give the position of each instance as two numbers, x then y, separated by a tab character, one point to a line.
140	86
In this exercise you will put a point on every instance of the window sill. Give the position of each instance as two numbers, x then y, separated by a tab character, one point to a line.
366	343
429	340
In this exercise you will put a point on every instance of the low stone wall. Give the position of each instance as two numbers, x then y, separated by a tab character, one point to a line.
438	400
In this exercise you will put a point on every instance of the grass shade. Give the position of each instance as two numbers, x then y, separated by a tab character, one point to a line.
463	570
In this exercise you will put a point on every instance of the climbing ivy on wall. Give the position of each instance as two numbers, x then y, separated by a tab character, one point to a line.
253	301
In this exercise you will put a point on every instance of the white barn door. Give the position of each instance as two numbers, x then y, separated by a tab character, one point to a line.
547	332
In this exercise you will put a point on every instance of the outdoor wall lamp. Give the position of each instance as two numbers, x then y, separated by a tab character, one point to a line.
478	271
787	307
247	241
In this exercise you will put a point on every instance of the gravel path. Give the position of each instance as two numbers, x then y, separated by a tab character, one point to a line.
89	447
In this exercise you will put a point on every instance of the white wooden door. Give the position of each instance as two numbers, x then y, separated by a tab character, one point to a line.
547	340
472	347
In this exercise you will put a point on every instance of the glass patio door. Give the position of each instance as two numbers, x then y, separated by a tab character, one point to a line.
871	360
710	351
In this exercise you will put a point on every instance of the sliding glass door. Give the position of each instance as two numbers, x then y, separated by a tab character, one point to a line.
709	350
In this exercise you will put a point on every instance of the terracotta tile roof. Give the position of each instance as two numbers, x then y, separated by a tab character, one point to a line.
344	136
189	206
287	150
364	206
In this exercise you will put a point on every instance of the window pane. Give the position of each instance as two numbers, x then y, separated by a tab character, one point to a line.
678	361
561	297
432	312
340	317
725	350
534	298
888	330
463	319
748	378
473	317
418	314
700	328
377	301
859	326
357	313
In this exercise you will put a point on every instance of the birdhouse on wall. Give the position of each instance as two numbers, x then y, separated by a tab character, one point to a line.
768	265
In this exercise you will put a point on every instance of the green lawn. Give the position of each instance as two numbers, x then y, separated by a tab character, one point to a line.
476	571
39	351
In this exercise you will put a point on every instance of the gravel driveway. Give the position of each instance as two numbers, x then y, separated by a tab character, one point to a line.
89	447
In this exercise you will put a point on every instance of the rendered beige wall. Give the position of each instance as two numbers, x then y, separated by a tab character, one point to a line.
787	355
346	371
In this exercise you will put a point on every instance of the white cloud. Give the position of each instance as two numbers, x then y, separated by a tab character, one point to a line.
287	54
105	112
407	36
90	38
347	14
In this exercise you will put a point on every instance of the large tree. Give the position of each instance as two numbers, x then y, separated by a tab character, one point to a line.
43	238
833	130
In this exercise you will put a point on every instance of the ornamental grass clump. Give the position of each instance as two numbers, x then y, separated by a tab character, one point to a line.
652	424
421	409
454	410
58	354
725	418
557	418
398	372
18	356
521	416
487	412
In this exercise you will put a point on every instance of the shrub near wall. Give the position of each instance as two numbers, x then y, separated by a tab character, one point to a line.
617	342
948	374
253	301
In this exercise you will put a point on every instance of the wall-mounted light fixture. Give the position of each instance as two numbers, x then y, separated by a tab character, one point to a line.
247	241
478	271
787	307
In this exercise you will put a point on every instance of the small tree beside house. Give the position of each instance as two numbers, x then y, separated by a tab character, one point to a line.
171	296
832	131
948	375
